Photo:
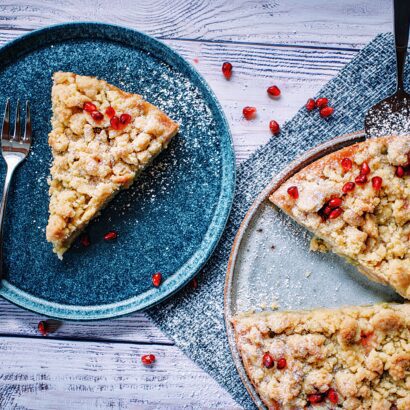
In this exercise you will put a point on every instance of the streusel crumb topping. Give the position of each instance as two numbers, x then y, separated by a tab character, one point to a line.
368	220
355	358
101	139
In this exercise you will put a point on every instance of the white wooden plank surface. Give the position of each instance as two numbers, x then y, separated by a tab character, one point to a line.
297	45
15	321
347	23
43	374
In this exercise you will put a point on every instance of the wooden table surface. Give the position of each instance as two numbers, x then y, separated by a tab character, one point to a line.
298	45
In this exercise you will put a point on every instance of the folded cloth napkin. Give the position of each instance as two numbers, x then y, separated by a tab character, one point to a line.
194	318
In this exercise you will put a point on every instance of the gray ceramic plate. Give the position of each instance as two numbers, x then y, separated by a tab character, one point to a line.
270	263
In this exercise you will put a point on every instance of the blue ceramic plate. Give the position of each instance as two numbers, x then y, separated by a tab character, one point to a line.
170	220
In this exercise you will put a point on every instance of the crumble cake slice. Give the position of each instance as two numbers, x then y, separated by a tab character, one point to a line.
101	139
354	358
357	201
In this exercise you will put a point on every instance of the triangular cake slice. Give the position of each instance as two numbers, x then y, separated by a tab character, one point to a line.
357	201
351	358
101	139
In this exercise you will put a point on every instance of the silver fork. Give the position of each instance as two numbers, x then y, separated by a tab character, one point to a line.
14	149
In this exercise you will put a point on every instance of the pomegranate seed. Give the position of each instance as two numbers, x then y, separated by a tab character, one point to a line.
310	105
332	396
281	363
293	192
347	164
42	327
273	91
89	107
315	398
97	116
327	210
109	236
377	183
335	213
85	240
125	119
110	112
326	112
156	279
268	361
227	70
322	102
194	283
399	171
361	179
365	169
335	202
148	359
274	127
249	112
348	187
115	122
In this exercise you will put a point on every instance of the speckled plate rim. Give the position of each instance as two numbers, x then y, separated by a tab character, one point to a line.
295	166
215	229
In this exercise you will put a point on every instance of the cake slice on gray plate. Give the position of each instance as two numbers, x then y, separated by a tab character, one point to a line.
357	200
353	358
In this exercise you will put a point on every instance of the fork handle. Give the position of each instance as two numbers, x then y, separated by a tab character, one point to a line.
401	38
3	205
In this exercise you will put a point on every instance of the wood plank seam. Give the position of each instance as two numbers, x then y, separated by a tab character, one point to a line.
86	340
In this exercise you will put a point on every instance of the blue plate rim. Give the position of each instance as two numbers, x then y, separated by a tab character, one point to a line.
191	267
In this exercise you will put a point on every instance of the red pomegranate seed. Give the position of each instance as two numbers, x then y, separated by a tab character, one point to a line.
327	210
293	192
148	359
89	107
377	183
274	127
249	112
42	327
310	105
194	283
110	112
347	164
399	171
227	70
273	91
348	187
281	363
335	202
322	102
365	169
97	116
125	119
109	236
335	213
361	179
85	240
315	398
267	361
326	112
157	279
115	122
332	396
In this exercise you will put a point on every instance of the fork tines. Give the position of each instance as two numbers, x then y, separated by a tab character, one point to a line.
5	131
